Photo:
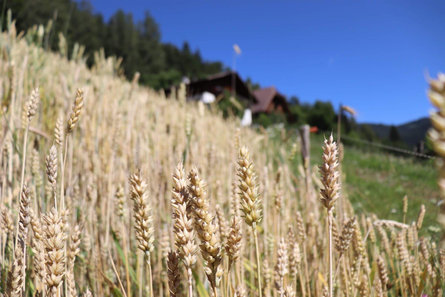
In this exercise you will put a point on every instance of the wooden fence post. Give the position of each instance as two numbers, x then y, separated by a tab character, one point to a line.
306	155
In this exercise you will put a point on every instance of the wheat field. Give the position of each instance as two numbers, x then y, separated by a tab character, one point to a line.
109	188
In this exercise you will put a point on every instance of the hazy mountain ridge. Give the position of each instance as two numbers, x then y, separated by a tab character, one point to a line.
411	133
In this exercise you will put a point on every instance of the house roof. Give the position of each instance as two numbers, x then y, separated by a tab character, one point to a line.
264	97
214	83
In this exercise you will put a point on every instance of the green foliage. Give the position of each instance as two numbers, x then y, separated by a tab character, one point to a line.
164	79
300	112
267	120
231	106
322	115
372	177
252	85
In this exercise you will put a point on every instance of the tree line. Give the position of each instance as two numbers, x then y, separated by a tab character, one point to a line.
161	65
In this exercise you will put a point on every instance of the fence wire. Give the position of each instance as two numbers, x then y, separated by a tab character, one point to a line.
389	148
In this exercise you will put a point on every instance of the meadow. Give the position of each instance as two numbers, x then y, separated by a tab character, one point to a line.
109	188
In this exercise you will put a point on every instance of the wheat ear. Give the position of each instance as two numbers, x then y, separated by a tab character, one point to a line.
32	104
436	95
206	229
174	277
183	224
30	110
383	273
281	267
39	253
59	132
346	236
51	171
54	242
17	275
330	193
143	220
250	201
75	113
233	244
73	251
223	227
293	253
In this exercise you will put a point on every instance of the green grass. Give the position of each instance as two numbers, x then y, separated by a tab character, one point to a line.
375	181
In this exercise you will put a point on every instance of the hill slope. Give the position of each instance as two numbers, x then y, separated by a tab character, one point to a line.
410	133
376	182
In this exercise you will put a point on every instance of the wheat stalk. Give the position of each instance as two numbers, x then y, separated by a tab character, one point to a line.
39	253
330	192
30	110
281	267
54	242
206	229
346	236
383	273
234	241
32	104
120	201
420	217
223	228
59	132
183	223
174	277
250	201
73	251
51	171
16	277
294	254
75	113
143	219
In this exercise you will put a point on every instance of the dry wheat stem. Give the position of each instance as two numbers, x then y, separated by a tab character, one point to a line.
143	220
250	201
16	277
183	224
51	172
54	241
72	254
330	193
75	113
206	229
31	108
39	251
117	274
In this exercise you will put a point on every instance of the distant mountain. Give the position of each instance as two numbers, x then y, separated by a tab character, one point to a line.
411	133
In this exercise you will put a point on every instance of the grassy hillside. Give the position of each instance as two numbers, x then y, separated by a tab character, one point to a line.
376	182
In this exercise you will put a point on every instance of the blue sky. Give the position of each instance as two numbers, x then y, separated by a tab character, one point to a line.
374	55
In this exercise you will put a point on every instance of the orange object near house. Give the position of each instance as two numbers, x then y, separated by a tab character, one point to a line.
313	129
